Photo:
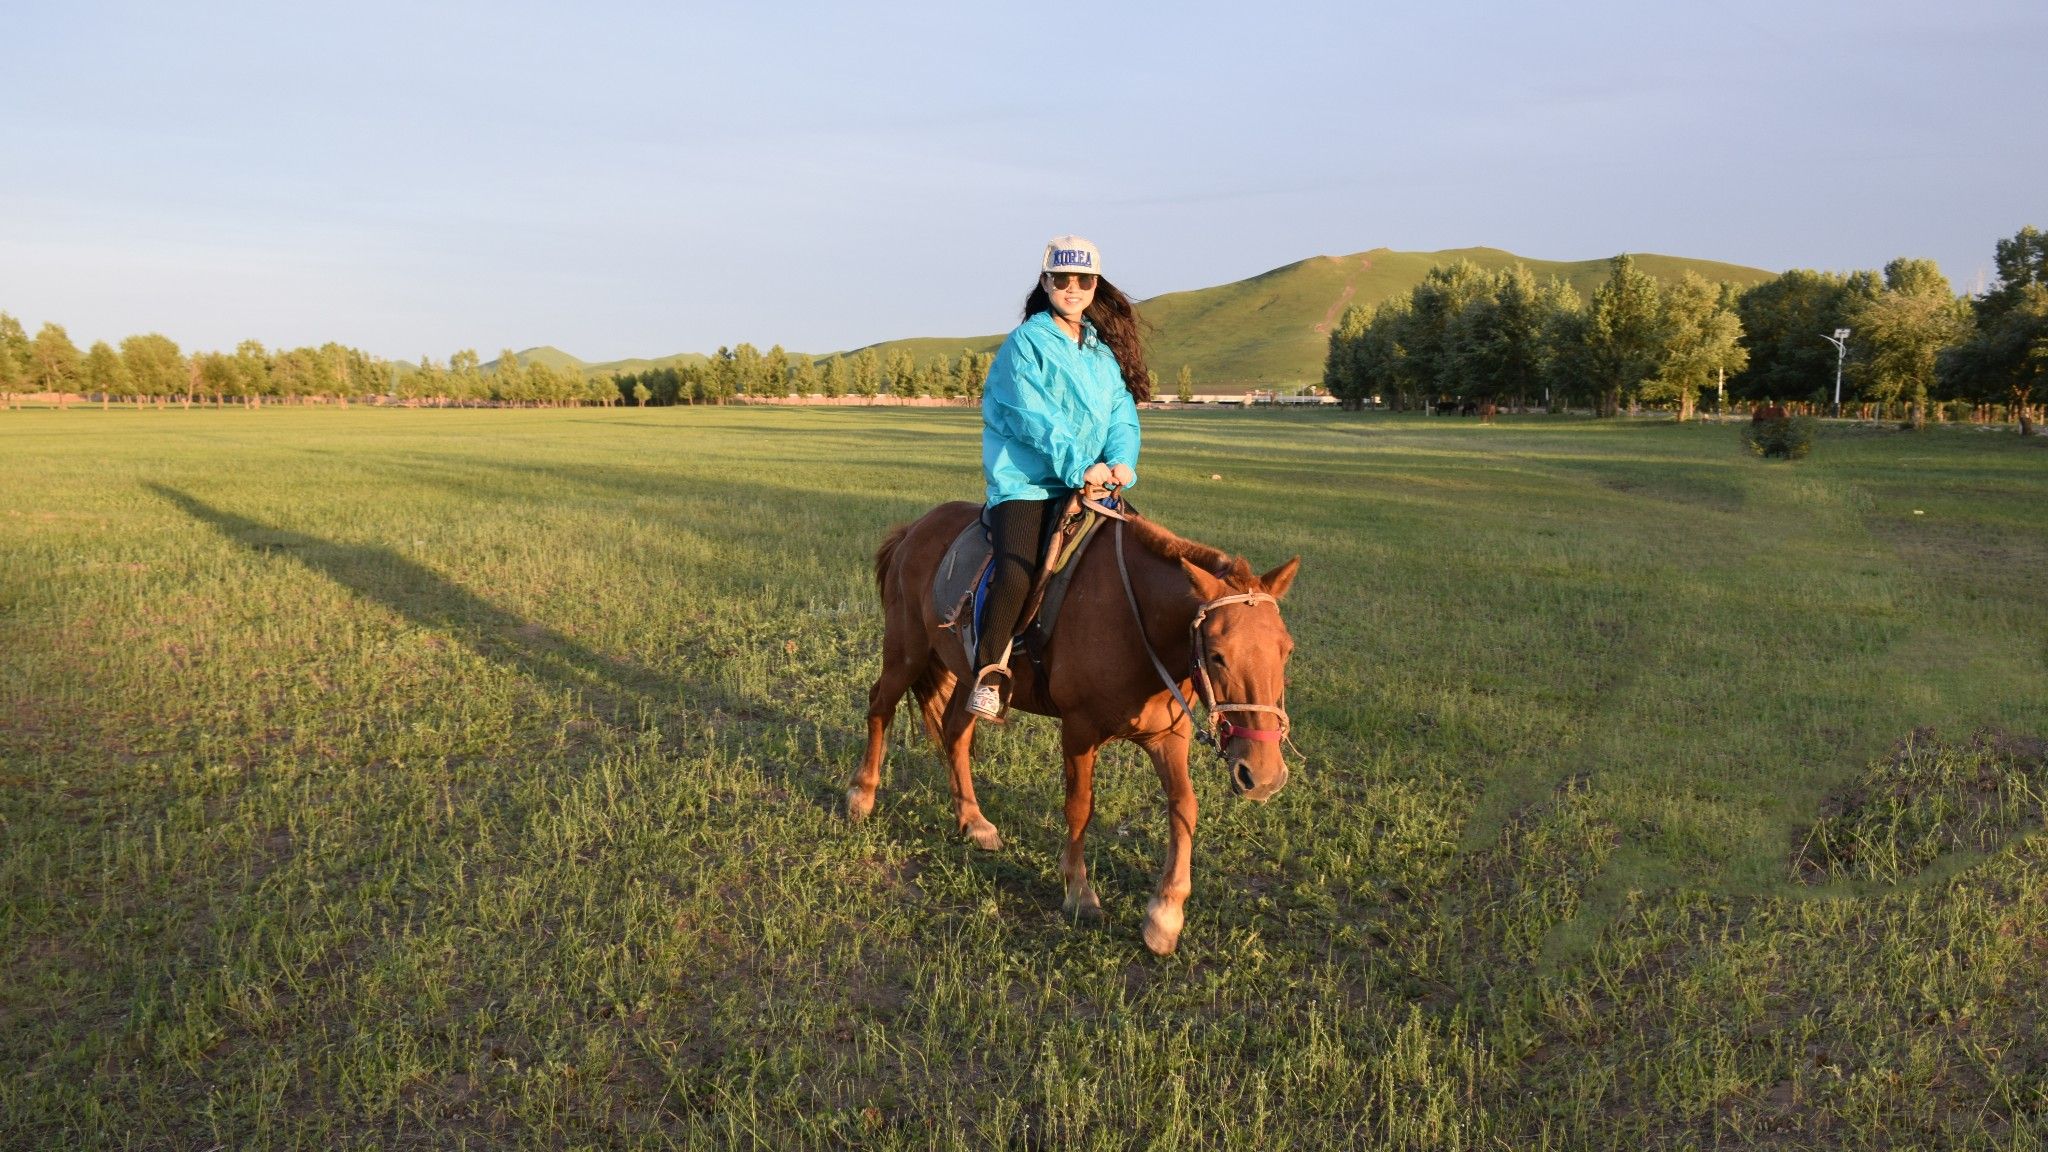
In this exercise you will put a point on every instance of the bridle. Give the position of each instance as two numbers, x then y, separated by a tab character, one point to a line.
1217	729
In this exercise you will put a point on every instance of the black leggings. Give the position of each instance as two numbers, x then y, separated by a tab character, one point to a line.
1020	529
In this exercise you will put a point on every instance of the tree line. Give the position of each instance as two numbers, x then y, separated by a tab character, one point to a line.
152	368
747	371
1466	334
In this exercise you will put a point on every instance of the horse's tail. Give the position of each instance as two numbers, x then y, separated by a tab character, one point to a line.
886	555
930	701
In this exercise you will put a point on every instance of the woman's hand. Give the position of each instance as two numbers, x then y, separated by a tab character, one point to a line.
1097	476
1122	476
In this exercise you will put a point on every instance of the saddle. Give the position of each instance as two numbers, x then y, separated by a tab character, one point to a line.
960	586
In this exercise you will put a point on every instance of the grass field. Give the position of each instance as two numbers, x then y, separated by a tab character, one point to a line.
471	779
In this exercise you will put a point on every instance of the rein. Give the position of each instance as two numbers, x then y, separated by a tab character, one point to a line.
1218	729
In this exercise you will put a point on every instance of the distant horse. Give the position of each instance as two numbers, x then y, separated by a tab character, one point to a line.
1766	414
1204	615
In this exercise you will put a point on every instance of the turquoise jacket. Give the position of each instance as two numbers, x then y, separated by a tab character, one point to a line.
1050	409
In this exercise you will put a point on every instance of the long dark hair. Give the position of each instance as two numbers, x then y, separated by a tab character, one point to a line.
1116	322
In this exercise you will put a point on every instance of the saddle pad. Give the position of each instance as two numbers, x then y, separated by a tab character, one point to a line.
960	571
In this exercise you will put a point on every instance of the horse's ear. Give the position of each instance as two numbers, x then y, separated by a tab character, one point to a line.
1280	579
1207	586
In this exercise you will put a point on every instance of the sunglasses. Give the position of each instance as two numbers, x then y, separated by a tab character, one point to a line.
1064	280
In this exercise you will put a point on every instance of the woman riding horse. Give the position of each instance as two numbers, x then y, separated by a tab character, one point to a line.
1059	413
1153	626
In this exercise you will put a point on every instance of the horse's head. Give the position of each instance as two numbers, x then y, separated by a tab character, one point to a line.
1241	648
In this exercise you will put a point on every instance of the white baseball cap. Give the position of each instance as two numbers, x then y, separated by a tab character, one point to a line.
1071	254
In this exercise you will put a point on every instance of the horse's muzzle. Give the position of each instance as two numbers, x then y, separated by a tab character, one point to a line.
1255	785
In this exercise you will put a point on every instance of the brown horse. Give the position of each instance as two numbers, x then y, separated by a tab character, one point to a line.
1205	616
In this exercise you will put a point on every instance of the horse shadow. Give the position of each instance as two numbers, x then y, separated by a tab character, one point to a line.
620	692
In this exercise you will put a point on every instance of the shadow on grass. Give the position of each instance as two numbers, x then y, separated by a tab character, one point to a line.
623	692
620	692
618	689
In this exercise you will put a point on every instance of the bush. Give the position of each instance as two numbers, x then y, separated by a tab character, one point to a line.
1959	411
1785	438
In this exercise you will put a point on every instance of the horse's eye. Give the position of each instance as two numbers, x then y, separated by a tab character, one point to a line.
1216	658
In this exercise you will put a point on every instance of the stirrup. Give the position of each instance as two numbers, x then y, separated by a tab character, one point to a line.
985	699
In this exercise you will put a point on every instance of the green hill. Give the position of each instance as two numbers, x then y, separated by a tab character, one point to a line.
620	367
1272	329
552	357
1268	331
926	347
562	361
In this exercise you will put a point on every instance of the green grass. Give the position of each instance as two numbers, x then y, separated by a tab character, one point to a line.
439	779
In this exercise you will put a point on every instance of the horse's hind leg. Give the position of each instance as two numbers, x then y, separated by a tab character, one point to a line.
956	737
899	673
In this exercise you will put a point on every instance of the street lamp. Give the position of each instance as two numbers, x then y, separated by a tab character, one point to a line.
1841	350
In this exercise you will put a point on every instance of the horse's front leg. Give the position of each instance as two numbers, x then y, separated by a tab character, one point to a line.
957	738
1079	748
1165	914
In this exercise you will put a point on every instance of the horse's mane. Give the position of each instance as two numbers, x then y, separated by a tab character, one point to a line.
1163	543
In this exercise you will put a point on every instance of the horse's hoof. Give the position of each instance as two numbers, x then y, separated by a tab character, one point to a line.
1162	929
859	802
984	836
1084	909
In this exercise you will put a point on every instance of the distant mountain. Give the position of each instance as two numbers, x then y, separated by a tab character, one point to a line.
1267	331
1274	328
561	361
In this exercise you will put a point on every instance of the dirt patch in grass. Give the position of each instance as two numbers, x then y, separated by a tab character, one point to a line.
1925	799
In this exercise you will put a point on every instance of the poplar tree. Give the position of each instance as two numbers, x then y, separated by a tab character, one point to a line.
978	364
15	339
1494	345
1433	305
1184	385
105	374
775	372
506	381
250	378
15	358
217	375
2006	359
12	378
743	375
53	362
1703	338
867	373
900	372
1341	375
1562	369
462	381
1902	330
805	380
720	380
1625	334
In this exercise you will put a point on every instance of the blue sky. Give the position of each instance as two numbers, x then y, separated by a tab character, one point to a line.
634	180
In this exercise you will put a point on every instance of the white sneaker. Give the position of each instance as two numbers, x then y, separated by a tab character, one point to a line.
986	702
